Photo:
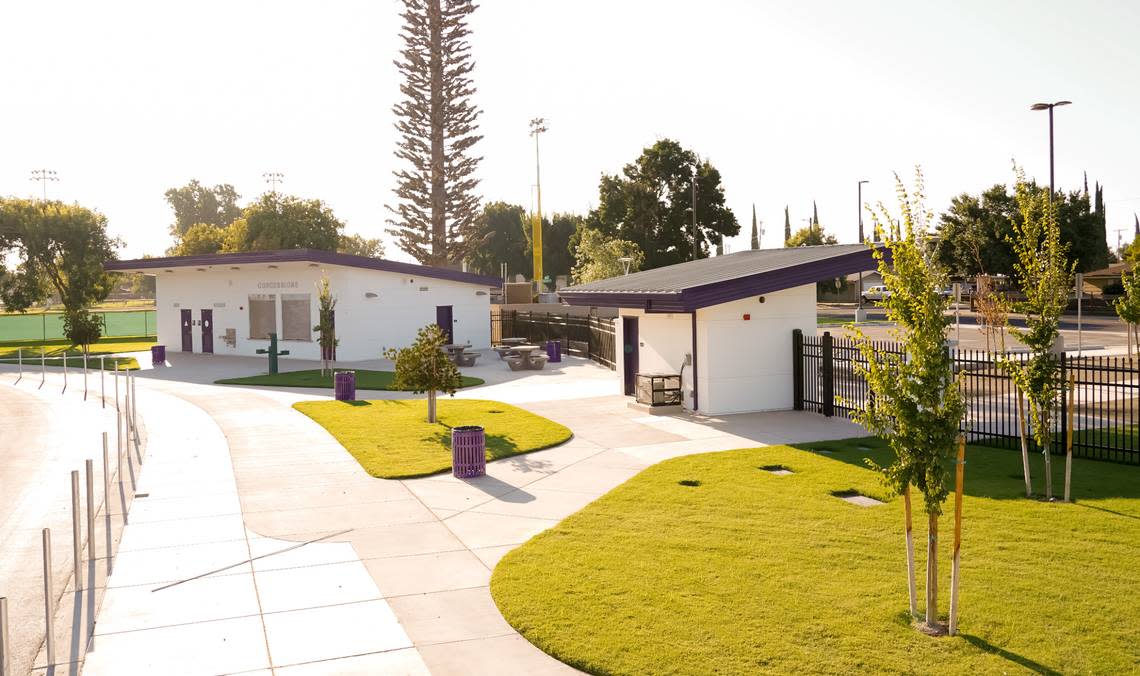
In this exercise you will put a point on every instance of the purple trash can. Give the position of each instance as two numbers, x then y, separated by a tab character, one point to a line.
554	351
158	355
344	385
468	452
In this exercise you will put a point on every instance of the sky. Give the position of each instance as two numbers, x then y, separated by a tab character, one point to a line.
792	102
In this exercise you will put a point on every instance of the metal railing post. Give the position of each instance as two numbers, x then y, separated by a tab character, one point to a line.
5	640
43	366
102	389
135	411
64	372
49	601
106	476
89	466
76	547
20	361
85	375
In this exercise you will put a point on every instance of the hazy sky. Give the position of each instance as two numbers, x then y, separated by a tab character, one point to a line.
791	101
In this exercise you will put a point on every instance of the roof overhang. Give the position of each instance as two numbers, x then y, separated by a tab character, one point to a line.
716	293
313	256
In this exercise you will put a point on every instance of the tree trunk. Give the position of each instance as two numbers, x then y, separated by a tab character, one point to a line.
910	577
932	573
431	406
1048	453
1024	429
436	115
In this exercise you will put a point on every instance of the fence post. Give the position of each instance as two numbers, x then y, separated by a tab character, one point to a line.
49	600
5	640
89	466
826	371
797	369
1064	422
76	533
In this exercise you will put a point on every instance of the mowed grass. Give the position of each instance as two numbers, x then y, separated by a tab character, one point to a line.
748	572
54	348
365	379
393	440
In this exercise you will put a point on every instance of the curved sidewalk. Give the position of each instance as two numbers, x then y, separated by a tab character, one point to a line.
430	544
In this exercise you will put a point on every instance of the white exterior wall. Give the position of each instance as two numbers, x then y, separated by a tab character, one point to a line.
743	365
365	326
746	365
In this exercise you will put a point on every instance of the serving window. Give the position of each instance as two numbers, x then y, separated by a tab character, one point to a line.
296	317
262	315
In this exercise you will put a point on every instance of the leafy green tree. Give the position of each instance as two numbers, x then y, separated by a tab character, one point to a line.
917	405
325	328
599	257
358	245
437	204
650	204
82	328
287	222
55	247
1128	305
200	238
1131	252
975	231
815	236
1045	276
425	367
558	234
505	232
195	203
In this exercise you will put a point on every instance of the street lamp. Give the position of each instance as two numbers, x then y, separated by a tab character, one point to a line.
626	260
1050	107
859	294
696	241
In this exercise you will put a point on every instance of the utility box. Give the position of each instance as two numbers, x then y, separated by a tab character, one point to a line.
659	389
518	292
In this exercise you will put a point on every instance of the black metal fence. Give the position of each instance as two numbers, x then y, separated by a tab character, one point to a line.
1105	395
582	336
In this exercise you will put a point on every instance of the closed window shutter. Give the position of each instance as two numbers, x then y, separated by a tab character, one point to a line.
296	322
262	315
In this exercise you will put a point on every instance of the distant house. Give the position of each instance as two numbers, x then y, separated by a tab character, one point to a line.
230	303
723	324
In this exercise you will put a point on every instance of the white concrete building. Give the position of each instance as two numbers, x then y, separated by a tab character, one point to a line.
723	324
229	303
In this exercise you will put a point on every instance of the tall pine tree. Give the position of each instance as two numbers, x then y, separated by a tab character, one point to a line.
756	230
436	201
787	226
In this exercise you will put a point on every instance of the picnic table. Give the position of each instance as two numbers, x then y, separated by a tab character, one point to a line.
460	355
513	341
523	357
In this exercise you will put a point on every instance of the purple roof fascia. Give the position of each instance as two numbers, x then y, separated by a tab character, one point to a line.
734	289
304	256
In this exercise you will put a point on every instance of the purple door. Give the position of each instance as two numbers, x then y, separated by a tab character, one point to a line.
187	332
629	353
208	331
444	321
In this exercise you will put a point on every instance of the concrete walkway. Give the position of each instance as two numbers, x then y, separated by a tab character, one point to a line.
291	559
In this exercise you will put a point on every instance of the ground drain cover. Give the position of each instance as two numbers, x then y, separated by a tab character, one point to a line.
778	470
856	498
689	482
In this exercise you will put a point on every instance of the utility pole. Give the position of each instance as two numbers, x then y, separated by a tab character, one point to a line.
537	126
273	178
43	176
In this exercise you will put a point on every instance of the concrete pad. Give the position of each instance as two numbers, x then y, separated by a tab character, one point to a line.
161	565
223	646
209	598
487	530
345	516
487	656
404	662
154	508
301	636
586	477
404	539
426	573
456	495
860	500
548	504
447	616
314	586
491	556
276	554
187	532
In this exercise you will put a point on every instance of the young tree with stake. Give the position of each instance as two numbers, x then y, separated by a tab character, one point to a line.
1045	276
917	405
326	307
425	367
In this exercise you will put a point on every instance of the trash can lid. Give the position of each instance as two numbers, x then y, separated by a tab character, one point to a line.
467	428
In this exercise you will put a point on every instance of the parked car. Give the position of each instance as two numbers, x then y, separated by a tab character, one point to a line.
875	293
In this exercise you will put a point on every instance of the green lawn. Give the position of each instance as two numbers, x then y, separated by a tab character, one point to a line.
55	349
393	440
748	572
365	380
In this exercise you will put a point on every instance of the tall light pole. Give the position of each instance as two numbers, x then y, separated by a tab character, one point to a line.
43	176
1050	107
273	178
537	126
859	291
696	233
